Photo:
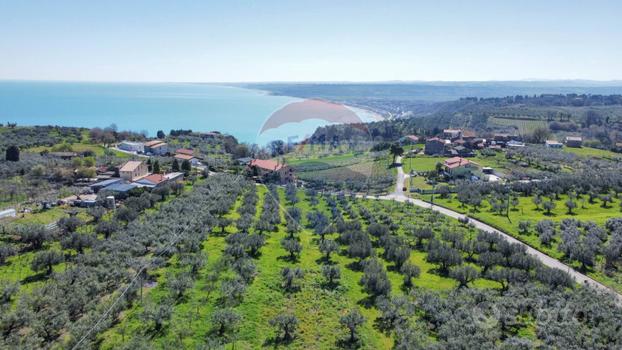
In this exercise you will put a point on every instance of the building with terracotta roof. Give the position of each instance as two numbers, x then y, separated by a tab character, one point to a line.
133	170
156	147
456	162
192	159
185	151
267	167
151	180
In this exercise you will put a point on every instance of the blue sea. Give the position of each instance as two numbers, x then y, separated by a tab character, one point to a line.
150	107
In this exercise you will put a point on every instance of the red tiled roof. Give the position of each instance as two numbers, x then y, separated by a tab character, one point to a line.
185	151
153	143
456	162
155	178
267	164
183	156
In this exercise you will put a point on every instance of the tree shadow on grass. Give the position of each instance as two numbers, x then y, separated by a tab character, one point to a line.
324	261
275	341
368	302
35	278
345	343
355	266
288	258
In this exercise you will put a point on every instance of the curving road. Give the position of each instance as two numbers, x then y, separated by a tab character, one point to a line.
399	196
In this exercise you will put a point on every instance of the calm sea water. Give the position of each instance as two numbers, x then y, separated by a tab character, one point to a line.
148	107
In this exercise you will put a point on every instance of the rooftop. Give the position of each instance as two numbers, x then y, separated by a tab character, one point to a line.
456	162
131	165
267	164
184	156
185	151
119	187
153	143
154	178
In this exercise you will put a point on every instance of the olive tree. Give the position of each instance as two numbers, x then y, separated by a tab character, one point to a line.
285	324
352	320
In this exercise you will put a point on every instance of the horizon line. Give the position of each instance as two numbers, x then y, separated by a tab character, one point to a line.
405	81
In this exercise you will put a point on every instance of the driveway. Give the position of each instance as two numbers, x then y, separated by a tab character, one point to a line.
399	196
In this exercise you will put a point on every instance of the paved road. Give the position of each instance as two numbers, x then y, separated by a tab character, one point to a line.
399	196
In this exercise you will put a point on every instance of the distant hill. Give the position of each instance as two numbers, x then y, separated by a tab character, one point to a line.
435	91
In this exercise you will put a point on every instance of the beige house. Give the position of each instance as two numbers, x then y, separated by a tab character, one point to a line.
267	167
133	170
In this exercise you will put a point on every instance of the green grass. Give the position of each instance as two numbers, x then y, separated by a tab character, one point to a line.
421	163
317	307
526	210
417	182
98	150
41	216
524	126
593	152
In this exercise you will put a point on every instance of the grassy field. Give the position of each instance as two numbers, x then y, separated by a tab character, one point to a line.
593	152
98	150
317	307
526	210
524	126
420	163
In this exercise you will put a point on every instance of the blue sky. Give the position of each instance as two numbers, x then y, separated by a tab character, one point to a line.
231	41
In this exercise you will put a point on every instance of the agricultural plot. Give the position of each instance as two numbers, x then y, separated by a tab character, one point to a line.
523	126
524	216
228	307
360	173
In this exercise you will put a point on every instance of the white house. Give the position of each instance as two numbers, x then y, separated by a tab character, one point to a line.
553	144
130	146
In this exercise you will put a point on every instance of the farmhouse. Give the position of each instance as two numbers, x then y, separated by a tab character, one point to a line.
157	180
553	144
269	167
181	157
130	146
455	163
185	151
452	134
434	146
458	167
574	141
156	147
133	170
